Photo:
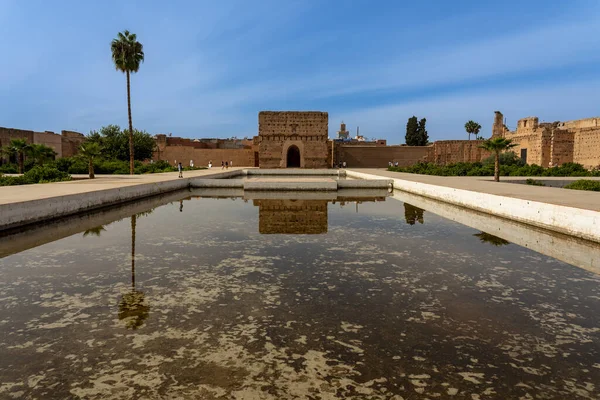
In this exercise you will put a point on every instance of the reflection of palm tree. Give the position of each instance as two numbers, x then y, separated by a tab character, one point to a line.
491	239
95	231
132	307
413	214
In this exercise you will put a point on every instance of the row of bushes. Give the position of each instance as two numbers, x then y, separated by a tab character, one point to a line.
77	165
486	169
584	184
37	174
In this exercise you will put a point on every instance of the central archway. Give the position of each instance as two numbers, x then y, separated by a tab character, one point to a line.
293	157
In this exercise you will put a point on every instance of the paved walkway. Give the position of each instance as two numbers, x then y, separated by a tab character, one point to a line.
571	198
15	194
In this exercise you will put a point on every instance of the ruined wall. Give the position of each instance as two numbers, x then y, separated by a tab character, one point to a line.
65	145
357	156
201	157
556	143
70	142
586	147
49	139
560	149
444	152
278	131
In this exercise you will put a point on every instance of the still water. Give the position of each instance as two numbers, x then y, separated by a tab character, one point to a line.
281	298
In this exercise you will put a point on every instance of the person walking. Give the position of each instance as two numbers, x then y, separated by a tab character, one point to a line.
180	168
226	165
231	164
222	164
210	164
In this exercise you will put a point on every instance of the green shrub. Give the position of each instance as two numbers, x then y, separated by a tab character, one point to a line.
486	168
534	182
13	180
9	169
43	174
584	184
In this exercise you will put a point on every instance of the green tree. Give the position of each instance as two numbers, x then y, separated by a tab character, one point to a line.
416	133
90	150
422	136
41	153
497	145
20	147
472	128
115	143
127	54
412	127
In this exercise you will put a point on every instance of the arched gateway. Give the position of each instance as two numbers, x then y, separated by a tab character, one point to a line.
293	157
292	139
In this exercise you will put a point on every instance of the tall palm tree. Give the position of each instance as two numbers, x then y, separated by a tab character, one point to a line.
20	147
472	128
41	153
127	54
497	145
90	150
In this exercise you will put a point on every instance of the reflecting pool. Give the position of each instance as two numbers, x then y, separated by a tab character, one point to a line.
288	296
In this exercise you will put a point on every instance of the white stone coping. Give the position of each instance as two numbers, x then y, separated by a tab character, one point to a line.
573	221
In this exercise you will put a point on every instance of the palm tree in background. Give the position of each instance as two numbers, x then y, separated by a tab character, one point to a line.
497	145
41	153
90	150
472	128
127	54
20	147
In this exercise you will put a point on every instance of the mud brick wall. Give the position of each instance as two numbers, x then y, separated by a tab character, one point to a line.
279	130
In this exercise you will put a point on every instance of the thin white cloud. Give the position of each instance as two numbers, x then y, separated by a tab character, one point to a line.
446	115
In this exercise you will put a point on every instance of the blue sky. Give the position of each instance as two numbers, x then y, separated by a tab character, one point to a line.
212	66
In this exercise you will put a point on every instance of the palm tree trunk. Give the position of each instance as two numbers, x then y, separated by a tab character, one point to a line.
497	167
21	162
131	167
133	223
91	168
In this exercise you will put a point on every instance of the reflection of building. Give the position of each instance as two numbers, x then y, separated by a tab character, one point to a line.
292	216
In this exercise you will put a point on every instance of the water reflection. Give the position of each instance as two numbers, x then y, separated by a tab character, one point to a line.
133	309
95	231
300	216
292	216
413	214
365	310
485	237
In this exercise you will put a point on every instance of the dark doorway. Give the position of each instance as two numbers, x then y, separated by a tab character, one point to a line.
293	157
524	155
256	164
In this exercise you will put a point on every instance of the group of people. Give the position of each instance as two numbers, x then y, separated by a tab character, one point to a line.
342	164
392	164
226	164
